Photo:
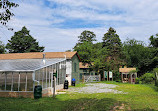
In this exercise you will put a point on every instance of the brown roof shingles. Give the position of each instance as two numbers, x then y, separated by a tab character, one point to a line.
81	65
126	69
37	55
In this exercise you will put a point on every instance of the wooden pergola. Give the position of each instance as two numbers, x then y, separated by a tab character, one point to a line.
127	75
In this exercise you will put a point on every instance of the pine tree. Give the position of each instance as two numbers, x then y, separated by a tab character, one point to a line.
22	42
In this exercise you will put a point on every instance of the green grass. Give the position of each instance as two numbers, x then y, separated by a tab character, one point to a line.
138	97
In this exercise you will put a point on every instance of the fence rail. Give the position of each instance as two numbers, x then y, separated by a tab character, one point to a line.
91	78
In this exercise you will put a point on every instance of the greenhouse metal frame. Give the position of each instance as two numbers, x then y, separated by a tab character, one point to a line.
23	75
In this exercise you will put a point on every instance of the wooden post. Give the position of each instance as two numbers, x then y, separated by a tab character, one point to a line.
112	76
126	77
131	78
107	75
122	77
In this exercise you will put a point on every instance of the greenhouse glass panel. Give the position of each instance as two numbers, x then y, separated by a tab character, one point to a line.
29	82
2	81
8	81
15	81
22	81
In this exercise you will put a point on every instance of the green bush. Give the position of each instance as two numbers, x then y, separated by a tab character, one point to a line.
156	83
137	81
147	78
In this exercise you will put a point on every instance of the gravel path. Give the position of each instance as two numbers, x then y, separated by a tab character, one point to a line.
96	88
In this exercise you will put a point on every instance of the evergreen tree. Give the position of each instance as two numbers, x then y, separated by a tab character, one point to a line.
114	48
22	42
112	41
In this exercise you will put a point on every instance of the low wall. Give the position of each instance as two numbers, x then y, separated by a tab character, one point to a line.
45	93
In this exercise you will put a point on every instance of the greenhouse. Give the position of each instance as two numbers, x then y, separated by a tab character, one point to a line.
18	77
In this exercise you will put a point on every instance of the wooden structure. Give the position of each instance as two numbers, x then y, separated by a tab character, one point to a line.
128	75
91	78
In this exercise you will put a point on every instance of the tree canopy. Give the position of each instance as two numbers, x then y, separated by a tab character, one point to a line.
110	54
87	36
22	42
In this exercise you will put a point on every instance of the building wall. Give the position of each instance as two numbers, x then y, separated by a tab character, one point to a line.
75	68
68	70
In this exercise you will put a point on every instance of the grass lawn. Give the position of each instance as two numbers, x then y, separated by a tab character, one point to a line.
138	97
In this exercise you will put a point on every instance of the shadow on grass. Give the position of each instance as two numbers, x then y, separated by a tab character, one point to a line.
55	104
145	109
153	87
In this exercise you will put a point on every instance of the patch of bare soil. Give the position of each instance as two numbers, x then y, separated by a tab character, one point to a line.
122	107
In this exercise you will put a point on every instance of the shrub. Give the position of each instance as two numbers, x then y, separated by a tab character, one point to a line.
147	78
156	83
137	80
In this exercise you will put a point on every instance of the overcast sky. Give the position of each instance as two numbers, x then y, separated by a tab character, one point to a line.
56	24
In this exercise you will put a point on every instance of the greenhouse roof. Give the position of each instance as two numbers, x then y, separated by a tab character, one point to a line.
26	65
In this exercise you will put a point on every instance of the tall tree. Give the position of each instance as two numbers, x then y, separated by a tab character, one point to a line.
5	13
84	46
114	47
22	42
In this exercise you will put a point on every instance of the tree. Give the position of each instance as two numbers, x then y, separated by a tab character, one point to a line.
2	48
86	36
5	13
140	56
154	41
114	47
22	42
112	41
85	51
84	46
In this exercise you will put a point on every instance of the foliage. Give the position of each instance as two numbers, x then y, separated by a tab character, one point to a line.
156	76
147	78
85	51
133	71
2	48
137	80
22	42
112	41
154	41
87	36
114	48
6	14
140	56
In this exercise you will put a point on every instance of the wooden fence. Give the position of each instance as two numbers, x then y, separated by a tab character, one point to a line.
91	78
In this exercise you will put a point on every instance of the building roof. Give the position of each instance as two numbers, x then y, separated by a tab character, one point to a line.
20	65
126	69
81	65
37	55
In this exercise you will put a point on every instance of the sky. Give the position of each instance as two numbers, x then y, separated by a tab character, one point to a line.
56	24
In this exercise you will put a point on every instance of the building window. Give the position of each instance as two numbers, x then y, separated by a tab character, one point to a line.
74	67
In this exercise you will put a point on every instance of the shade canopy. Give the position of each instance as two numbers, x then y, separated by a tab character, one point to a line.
28	65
